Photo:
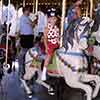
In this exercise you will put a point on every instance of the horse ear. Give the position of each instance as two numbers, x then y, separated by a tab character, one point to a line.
83	21
83	18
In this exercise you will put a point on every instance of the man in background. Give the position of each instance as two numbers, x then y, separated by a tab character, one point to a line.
26	37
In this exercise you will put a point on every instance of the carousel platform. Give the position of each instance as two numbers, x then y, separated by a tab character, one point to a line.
11	89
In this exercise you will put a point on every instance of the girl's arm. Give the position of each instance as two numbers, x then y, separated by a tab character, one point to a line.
46	39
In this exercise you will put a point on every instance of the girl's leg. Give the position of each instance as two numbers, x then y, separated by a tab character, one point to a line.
46	63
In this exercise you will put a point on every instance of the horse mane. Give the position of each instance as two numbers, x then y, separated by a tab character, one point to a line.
95	26
96	21
68	35
87	27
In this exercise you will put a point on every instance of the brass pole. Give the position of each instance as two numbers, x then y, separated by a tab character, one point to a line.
6	61
2	12
87	11
62	21
33	6
36	9
91	8
23	3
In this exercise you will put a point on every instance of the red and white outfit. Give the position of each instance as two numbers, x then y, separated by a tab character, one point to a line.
53	38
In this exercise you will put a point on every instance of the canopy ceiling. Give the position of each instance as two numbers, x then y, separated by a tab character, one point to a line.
55	3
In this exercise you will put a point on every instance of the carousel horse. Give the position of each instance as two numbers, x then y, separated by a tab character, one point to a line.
95	55
11	29
4	68
94	42
97	46
2	59
70	63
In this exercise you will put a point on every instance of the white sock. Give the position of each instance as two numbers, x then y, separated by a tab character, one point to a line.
44	70
44	74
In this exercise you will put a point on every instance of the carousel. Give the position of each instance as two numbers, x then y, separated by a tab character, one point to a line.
78	66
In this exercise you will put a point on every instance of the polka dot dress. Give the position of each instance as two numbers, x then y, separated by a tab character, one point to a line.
53	34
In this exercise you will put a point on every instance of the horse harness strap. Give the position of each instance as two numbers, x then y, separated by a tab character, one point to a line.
35	58
97	44
73	54
31	53
70	66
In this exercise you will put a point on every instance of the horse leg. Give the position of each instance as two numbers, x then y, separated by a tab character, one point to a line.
88	78
1	73
73	81
26	86
86	88
21	60
30	72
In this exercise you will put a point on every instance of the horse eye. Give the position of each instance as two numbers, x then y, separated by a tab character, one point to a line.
79	29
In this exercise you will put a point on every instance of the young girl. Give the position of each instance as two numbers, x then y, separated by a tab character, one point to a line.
51	38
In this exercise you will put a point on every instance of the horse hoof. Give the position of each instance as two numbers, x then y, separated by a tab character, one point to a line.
9	71
30	95
1	75
51	91
93	83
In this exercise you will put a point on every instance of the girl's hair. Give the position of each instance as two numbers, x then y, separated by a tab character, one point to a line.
58	22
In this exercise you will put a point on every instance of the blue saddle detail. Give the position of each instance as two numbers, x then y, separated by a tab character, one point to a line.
84	36
70	66
73	54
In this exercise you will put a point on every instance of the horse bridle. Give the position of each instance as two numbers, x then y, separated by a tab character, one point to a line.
69	65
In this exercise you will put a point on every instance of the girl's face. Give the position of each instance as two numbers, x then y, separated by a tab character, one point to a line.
52	20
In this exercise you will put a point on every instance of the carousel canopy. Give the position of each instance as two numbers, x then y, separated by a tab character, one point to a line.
55	3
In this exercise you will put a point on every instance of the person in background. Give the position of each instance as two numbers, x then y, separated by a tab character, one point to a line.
51	38
73	17
26	37
96	18
42	21
74	12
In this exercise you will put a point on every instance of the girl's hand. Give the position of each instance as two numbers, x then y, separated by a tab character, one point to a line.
46	51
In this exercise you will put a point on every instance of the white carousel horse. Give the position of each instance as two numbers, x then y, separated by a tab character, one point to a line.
96	38
97	33
95	53
96	48
70	63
